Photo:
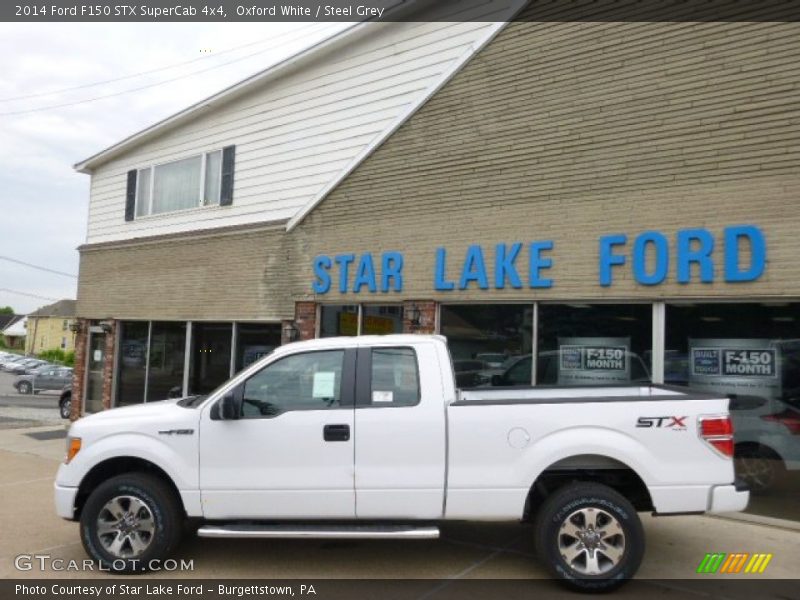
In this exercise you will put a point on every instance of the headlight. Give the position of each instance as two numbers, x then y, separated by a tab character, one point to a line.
73	447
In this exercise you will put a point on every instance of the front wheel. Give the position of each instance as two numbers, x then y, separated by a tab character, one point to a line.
25	387
131	522
65	407
590	537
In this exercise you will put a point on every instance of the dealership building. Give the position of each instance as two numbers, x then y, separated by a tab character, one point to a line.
618	200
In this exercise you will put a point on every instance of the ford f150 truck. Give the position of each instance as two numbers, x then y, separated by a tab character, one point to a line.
369	437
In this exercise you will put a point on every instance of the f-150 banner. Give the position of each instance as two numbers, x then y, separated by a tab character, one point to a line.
593	360
735	366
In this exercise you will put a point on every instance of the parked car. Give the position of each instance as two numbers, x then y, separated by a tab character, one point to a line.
518	371
467	372
26	366
7	363
578	462
46	377
493	360
65	402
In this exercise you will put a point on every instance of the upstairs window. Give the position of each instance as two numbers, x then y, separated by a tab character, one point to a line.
201	180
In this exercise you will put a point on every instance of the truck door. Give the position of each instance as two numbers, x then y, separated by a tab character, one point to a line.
290	454
400	433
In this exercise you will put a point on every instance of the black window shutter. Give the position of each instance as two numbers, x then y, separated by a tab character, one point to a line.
228	160
130	196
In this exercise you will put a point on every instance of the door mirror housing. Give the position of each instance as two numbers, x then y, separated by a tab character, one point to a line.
229	408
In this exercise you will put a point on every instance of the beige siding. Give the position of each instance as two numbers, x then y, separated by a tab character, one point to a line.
294	134
569	131
233	275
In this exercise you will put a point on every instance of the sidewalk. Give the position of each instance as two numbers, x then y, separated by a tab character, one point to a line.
675	545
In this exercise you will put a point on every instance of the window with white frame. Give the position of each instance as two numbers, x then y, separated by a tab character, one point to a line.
178	185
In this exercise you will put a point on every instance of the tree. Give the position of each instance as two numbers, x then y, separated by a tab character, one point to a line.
6	310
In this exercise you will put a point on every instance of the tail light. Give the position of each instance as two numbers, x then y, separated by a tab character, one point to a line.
717	432
787	418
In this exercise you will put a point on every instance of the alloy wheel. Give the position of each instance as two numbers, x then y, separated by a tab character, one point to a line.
125	526
591	541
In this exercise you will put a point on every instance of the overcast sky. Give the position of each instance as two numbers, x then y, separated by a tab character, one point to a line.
43	201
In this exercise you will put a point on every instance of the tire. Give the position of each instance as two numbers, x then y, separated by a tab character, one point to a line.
757	466
65	407
617	548
131	550
24	387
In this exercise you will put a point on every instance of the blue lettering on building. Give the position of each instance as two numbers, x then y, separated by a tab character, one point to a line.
692	255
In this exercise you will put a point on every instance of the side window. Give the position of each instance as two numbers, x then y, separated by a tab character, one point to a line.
307	381
395	377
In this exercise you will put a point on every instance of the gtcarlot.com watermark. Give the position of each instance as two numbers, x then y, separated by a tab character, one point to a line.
44	562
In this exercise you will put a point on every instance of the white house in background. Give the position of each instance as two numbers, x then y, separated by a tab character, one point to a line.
14	334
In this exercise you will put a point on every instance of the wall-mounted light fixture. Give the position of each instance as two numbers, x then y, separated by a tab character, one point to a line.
75	327
105	326
413	316
290	331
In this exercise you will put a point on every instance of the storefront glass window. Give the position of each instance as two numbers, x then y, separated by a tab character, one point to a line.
254	341
338	320
752	353
594	344
167	351
382	320
487	339
132	362
211	356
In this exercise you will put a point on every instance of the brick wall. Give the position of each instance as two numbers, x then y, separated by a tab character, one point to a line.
306	320
230	274
571	131
79	371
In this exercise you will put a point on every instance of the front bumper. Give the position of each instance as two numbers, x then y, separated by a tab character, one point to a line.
728	498
65	501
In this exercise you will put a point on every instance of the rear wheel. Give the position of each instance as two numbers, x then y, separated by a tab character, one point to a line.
590	537
130	521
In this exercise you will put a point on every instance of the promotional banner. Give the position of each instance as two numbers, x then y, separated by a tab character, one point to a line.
735	366
593	360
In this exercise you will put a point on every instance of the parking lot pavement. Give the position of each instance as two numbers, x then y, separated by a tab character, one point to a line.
676	545
26	410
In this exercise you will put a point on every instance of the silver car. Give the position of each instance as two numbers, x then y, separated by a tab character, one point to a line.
44	378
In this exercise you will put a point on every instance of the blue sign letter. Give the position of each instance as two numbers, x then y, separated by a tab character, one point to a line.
758	253
608	258
365	274
323	282
344	261
439	282
661	246
391	268
474	269
538	263
700	254
504	266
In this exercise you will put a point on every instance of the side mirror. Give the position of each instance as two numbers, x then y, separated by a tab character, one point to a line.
229	408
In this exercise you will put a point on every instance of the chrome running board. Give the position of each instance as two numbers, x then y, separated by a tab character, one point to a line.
339	532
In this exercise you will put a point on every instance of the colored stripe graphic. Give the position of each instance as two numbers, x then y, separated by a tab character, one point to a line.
737	562
711	563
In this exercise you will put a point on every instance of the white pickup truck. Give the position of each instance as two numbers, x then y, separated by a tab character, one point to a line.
368	437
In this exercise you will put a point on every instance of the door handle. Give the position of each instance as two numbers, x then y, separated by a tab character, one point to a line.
336	433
